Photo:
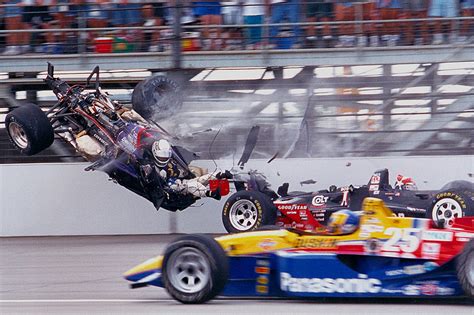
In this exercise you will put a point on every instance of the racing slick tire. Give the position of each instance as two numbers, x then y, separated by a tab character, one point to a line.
29	129
247	211
195	269
465	269
450	204
156	97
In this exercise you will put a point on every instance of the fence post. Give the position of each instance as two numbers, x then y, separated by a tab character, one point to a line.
177	34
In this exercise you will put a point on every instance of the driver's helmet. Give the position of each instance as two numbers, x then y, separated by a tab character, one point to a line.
162	152
343	222
405	183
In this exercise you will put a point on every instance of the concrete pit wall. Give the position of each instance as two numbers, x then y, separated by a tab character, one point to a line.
63	199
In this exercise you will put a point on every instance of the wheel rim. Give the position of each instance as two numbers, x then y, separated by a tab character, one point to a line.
17	133
189	270
446	209
243	215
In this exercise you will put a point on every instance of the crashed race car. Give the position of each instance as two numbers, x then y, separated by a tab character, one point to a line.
122	142
258	205
371	254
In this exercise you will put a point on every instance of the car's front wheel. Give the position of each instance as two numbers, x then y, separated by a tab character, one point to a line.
29	129
195	269
465	269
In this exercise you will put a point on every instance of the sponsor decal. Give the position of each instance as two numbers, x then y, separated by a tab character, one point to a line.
416	210
361	284
317	242
429	289
319	200
345	199
375	179
465	235
262	289
454	196
411	290
262	280
261	262
262	270
372	245
373	187
291	207
267	244
407	270
371	228
442	236
431	250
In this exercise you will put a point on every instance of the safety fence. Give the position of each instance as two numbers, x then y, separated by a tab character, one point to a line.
150	27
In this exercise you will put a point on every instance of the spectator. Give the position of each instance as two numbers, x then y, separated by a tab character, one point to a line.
318	12
209	13
368	29
388	10
282	10
154	15
13	21
97	17
415	32
442	8
345	12
467	7
37	15
126	13
253	12
232	15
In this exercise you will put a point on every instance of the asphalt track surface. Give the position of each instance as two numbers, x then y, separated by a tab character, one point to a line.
83	275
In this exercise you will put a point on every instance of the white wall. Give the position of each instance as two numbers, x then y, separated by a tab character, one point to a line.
62	199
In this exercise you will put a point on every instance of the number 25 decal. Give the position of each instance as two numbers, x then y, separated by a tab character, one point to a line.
404	240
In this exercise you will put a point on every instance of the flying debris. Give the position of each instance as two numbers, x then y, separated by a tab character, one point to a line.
308	182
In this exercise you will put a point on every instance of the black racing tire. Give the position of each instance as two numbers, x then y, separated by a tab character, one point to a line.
209	269
157	97
247	211
465	269
29	129
459	185
448	205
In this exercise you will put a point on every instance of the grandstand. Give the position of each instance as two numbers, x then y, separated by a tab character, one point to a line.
310	102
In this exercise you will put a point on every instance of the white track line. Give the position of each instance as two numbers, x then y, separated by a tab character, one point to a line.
83	301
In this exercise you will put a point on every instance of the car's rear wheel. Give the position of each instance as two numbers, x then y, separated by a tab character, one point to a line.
465	269
195	269
247	211
29	129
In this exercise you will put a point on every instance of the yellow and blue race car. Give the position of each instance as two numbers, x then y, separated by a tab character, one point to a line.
368	254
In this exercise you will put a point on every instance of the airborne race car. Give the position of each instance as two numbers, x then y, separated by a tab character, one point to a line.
386	256
119	141
257	205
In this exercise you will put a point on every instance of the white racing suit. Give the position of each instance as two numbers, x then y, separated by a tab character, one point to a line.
198	186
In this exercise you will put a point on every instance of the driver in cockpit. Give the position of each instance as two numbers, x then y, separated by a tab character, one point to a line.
405	183
178	179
